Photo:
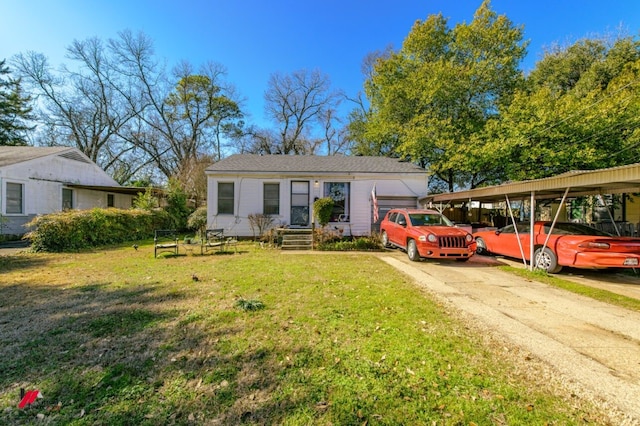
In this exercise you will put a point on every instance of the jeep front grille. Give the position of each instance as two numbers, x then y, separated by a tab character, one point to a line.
453	242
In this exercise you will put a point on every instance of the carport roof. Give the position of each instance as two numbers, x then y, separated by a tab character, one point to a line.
613	180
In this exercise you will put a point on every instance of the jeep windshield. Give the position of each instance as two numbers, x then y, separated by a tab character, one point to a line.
429	219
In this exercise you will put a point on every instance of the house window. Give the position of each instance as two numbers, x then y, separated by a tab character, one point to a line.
111	200
225	197
339	193
271	198
67	199
14	198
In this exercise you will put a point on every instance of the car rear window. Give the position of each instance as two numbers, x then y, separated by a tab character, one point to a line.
565	228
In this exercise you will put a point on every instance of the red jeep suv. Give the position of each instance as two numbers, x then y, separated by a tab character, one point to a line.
426	233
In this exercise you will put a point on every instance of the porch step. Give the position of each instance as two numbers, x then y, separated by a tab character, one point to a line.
297	239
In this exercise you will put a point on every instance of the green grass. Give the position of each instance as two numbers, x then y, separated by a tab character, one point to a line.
117	337
592	292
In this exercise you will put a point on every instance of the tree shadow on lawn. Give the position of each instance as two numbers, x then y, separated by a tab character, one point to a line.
12	262
131	355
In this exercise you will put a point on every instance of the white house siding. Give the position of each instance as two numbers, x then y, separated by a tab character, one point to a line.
43	179
248	198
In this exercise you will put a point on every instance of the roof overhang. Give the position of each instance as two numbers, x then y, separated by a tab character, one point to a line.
129	190
614	180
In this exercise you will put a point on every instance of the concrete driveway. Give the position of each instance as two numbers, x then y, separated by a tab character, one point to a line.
592	346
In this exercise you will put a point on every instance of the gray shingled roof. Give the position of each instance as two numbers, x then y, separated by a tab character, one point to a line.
253	163
17	154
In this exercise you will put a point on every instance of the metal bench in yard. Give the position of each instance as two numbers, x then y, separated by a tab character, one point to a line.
165	240
215	239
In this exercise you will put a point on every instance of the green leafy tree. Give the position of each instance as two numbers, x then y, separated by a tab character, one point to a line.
146	200
177	205
15	111
431	100
578	110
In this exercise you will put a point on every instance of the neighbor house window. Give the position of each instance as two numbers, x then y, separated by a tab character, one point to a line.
271	198
339	193
110	200
67	199
14	198
225	197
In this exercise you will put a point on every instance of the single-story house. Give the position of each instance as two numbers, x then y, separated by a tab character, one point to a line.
285	187
41	180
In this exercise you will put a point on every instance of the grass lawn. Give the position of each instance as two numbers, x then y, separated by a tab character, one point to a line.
117	337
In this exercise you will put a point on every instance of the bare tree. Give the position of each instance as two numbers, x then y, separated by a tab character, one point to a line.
192	178
83	106
299	103
186	116
336	137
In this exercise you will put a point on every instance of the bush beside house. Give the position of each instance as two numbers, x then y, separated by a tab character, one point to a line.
74	230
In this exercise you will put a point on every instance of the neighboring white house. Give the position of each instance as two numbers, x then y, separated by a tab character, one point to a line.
285	187
41	180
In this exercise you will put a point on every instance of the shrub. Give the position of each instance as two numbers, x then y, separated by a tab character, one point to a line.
323	207
260	224
198	221
73	230
371	243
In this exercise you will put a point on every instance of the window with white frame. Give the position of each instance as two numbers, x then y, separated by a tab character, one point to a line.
225	197
14	199
339	192
271	199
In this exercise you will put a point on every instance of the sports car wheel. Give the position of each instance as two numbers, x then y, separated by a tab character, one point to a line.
385	239
546	259
481	247
412	251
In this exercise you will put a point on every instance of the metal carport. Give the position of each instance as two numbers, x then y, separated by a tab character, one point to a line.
613	180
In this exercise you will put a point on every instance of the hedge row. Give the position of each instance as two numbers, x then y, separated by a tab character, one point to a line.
73	230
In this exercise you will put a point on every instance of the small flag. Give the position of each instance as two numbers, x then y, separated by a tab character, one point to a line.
374	202
29	398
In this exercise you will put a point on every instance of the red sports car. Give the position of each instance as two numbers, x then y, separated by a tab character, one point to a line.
570	244
426	233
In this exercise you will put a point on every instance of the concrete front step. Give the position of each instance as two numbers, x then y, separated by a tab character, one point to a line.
297	239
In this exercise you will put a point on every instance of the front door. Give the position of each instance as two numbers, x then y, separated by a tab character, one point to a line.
300	204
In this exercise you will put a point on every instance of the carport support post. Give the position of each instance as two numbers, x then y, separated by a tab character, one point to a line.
532	220
555	218
515	228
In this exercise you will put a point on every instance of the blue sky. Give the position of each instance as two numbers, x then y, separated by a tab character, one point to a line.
254	39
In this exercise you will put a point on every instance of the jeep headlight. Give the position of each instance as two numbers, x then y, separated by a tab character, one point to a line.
469	238
432	238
